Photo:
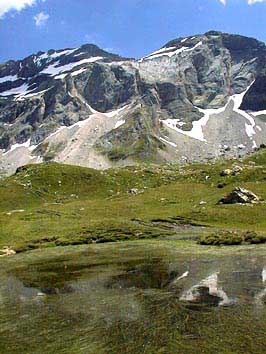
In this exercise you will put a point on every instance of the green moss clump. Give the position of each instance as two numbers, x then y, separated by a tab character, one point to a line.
253	238
226	238
229	238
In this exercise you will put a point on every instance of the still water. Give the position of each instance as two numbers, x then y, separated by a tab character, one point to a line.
135	297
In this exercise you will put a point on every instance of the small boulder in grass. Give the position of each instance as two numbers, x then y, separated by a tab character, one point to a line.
226	172
239	196
231	172
7	251
133	191
237	169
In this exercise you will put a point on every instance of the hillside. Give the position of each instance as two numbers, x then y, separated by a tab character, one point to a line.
52	204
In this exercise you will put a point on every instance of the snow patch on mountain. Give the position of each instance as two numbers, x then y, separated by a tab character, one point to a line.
162	50
119	123
198	126
22	92
170	53
197	131
78	72
250	126
15	146
49	57
168	142
26	145
8	78
94	114
61	76
78	125
258	113
54	69
64	52
17	91
114	113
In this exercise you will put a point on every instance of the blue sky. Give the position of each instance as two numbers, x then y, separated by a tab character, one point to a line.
131	28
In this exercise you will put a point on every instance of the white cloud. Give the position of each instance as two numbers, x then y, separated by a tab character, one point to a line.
250	2
41	19
17	5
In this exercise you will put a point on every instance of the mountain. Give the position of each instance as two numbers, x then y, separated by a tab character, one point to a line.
195	99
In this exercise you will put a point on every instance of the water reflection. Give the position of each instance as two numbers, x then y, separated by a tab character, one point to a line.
207	291
239	277
133	302
260	297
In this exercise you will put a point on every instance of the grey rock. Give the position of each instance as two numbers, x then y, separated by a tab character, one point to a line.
237	170
231	172
239	196
226	172
133	191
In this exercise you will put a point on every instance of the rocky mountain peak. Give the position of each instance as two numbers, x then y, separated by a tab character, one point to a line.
232	42
196	98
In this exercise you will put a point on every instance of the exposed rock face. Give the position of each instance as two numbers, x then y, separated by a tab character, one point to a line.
239	196
197	98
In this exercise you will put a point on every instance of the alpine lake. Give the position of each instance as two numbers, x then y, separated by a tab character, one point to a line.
144	296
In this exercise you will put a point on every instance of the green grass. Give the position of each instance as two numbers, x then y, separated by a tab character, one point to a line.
53	204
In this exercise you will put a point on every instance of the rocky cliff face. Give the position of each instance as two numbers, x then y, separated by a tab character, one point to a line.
197	98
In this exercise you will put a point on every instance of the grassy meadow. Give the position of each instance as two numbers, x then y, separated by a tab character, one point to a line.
52	204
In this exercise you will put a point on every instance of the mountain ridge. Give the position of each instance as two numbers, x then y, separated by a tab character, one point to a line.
194	99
